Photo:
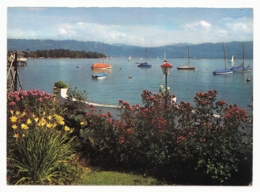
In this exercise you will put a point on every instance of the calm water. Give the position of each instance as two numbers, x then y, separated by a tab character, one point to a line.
233	88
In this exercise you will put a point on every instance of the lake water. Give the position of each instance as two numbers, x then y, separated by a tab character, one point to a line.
233	88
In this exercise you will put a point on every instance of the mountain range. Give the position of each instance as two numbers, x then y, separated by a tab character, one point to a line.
203	50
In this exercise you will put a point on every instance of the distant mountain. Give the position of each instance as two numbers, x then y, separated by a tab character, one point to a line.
204	50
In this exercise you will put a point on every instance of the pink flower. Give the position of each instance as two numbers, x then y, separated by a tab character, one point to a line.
12	103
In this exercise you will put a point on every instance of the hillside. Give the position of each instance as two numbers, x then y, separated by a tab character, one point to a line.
204	50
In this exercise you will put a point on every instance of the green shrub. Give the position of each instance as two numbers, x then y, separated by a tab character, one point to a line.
42	157
60	84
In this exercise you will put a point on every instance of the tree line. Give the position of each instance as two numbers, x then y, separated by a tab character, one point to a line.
58	53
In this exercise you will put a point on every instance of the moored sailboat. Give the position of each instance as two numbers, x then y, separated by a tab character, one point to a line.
101	65
223	71
145	64
187	67
241	67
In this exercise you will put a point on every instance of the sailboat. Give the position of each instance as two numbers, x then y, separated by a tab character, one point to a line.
187	67
145	64
223	71
241	67
129	58
232	60
101	65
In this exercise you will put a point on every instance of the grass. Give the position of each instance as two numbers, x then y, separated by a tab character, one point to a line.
116	178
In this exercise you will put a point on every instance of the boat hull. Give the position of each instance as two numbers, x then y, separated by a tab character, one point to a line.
97	77
186	68
222	72
145	65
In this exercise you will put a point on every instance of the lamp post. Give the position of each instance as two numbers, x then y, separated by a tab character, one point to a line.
166	69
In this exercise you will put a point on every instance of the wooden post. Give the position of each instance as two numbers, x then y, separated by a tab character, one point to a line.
16	72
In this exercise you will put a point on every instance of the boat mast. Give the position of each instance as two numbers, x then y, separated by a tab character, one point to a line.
103	51
189	55
243	56
164	57
146	54
224	55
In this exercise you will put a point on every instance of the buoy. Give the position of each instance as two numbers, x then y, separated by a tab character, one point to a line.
248	79
130	76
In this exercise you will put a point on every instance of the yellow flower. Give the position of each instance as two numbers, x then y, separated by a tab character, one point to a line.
36	119
17	113
49	117
49	125
54	125
23	114
13	119
66	128
14	126
24	126
23	135
61	122
16	135
28	121
42	122
82	123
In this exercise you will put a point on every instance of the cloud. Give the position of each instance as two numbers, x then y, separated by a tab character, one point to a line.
239	25
198	24
63	31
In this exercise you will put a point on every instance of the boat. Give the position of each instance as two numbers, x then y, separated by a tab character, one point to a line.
232	59
187	67
145	64
100	75
129	58
241	68
137	62
101	65
78	66
223	71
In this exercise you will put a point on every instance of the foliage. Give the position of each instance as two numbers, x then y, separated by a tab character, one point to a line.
37	140
76	99
37	101
42	157
60	84
60	53
169	139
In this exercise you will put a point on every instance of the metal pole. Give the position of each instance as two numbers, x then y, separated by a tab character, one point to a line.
166	88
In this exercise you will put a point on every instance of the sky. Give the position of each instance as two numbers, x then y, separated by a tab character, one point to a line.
138	26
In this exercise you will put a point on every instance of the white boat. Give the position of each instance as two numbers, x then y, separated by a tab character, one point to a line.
100	75
223	71
129	58
187	67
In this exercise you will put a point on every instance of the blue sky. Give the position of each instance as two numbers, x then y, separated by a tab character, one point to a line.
140	26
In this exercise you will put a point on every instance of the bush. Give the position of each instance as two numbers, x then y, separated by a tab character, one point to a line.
39	146
180	138
42	157
60	84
